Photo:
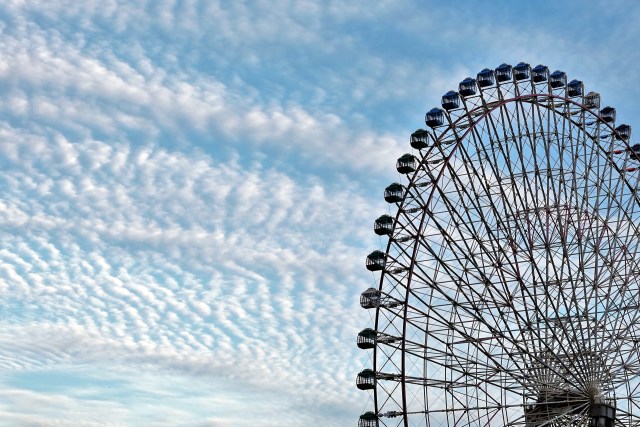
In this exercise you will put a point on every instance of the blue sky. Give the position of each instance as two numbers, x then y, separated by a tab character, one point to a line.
188	190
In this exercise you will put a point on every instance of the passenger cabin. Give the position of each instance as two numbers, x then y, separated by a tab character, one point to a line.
592	100
371	298
420	139
367	339
503	73
451	100
368	419
540	73
608	114
623	133
376	260
434	117
485	78
575	88
394	193
366	380
383	225
635	152
407	163
558	79
467	87
522	71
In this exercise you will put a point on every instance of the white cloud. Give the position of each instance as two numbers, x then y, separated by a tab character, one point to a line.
91	90
177	262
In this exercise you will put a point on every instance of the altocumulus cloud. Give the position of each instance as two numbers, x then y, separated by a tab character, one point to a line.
119	256
144	279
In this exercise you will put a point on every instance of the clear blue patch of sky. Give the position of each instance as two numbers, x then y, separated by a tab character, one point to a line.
70	382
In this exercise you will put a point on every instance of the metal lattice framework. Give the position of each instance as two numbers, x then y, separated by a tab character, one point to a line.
509	288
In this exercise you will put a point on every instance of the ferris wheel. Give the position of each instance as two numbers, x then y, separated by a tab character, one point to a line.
509	289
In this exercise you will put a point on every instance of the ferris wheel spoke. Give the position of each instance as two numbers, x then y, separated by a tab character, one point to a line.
510	210
526	204
491	327
557	275
560	237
